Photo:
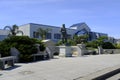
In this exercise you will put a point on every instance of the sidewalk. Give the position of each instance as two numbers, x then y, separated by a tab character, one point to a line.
61	69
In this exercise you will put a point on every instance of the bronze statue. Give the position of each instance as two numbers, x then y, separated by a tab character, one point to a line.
64	34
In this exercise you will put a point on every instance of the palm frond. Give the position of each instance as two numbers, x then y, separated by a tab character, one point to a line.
19	31
8	28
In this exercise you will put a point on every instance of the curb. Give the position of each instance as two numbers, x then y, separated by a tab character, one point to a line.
102	74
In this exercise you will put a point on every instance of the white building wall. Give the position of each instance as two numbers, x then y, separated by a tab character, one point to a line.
34	27
3	34
54	30
26	29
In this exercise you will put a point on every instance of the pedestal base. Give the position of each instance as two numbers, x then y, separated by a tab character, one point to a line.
65	51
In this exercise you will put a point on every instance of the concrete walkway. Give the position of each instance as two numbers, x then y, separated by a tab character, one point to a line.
61	68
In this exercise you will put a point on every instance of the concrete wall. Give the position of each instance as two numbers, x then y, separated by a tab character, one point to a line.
106	51
111	51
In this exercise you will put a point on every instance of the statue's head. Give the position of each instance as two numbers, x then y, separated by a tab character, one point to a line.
63	25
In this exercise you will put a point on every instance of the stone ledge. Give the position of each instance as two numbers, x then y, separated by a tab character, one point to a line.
101	74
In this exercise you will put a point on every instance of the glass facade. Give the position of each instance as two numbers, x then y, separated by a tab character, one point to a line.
48	36
57	36
35	34
69	36
81	32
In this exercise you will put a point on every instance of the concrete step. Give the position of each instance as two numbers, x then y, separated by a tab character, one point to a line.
115	77
102	74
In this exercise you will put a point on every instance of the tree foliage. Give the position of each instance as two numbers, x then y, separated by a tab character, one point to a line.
13	30
108	45
117	46
76	40
24	44
101	40
80	39
92	44
70	42
43	32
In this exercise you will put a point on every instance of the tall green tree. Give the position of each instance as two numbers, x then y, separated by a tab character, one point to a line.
13	30
43	32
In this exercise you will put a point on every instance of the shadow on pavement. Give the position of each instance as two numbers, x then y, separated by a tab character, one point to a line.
14	67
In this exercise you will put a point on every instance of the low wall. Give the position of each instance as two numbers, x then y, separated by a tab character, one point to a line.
105	51
74	50
111	51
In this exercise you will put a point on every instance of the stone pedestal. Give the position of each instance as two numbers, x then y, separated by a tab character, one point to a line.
100	50
15	52
81	49
65	51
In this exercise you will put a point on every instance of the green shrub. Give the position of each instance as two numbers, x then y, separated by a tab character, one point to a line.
117	46
70	42
80	39
25	58
42	47
4	49
24	44
92	44
108	45
59	43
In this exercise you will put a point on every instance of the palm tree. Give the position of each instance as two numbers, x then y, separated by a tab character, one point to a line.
13	30
43	32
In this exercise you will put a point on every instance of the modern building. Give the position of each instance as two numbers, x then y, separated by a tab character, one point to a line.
118	41
3	34
54	34
112	40
82	28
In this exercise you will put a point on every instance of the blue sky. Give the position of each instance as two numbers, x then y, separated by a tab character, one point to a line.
100	15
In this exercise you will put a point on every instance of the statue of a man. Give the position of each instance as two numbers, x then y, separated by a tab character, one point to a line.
64	34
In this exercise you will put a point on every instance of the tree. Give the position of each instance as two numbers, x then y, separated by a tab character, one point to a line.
108	45
98	42
43	32
80	39
24	44
13	30
101	40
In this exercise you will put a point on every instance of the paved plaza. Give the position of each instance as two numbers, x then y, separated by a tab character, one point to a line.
70	68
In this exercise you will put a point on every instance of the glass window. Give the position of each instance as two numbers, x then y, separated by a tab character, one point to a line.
48	36
35	34
57	36
69	36
81	32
